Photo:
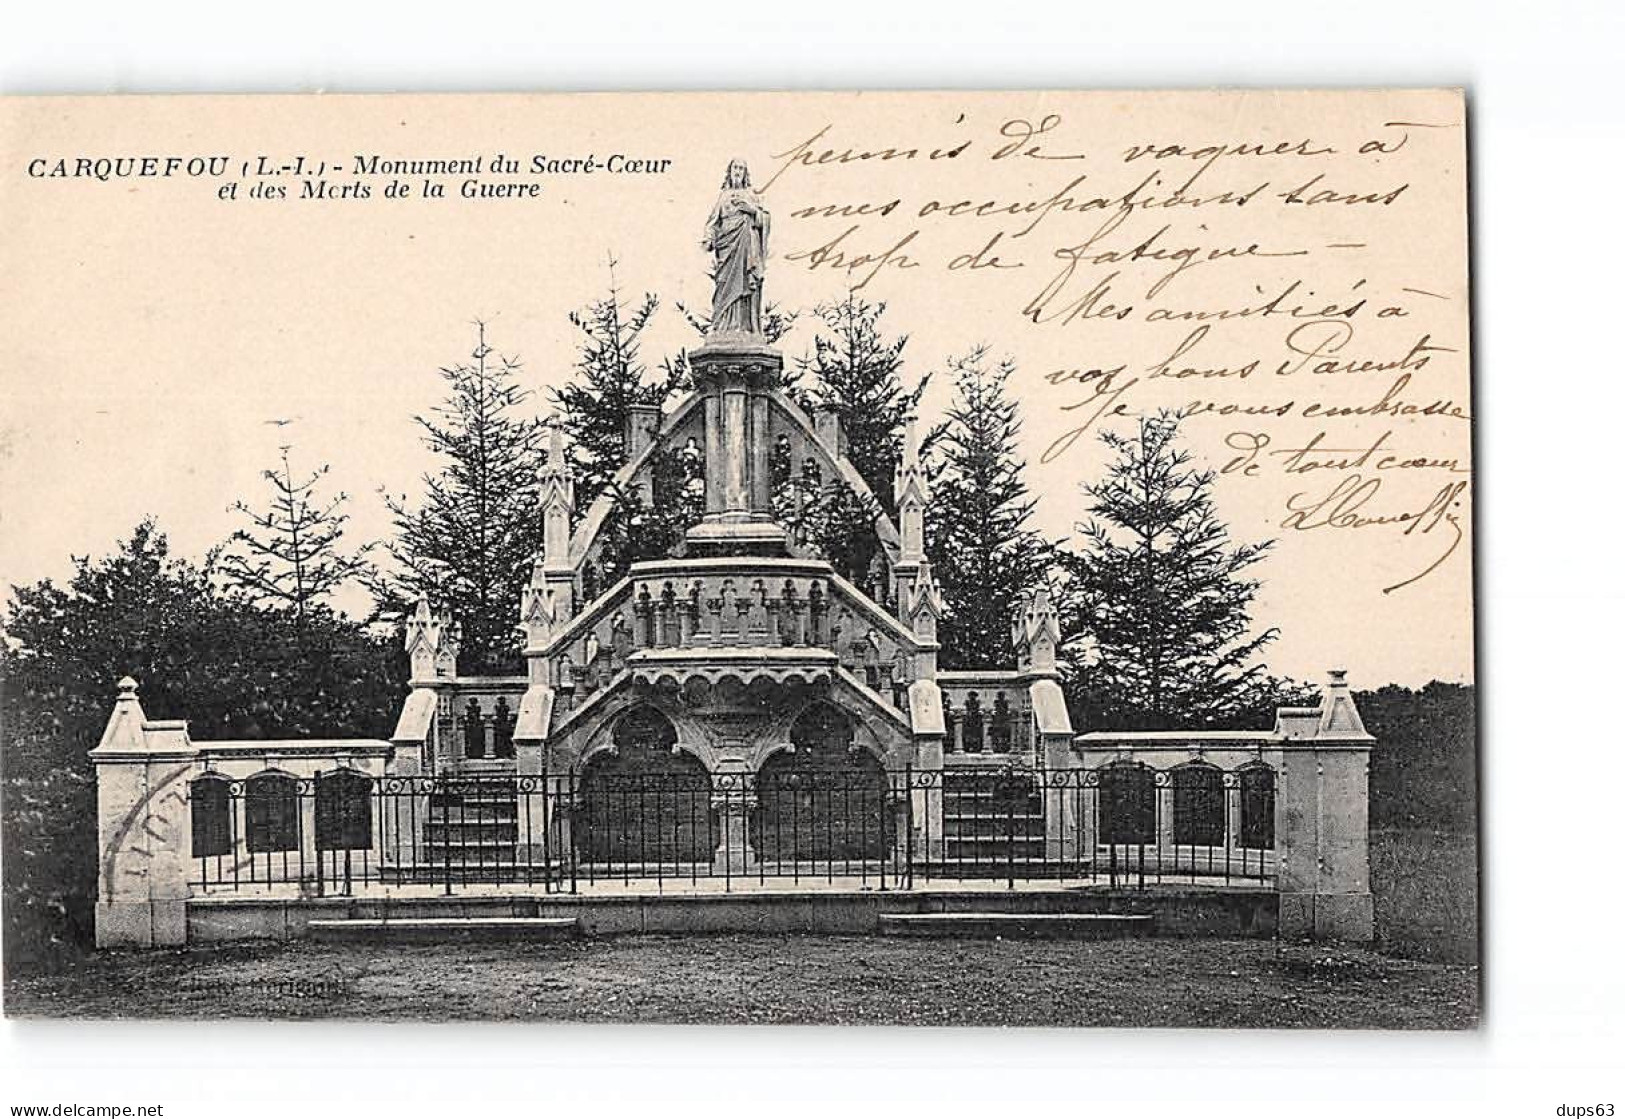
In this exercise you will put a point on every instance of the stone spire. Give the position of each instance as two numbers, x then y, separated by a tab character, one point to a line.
125	730
557	497
432	643
920	604
924	603
1035	633
538	607
913	494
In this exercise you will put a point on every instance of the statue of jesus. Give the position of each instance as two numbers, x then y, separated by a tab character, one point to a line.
736	235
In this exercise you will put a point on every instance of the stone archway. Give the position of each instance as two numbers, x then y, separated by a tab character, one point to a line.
824	799
644	801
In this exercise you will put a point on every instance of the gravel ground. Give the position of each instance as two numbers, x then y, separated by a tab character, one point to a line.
791	978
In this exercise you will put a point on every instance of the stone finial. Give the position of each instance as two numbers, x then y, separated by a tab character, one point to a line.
1339	717
422	636
432	643
126	726
642	427
827	426
913	493
1035	632
557	497
538	609
924	600
920	604
451	643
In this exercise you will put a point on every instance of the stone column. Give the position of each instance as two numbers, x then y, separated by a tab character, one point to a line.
736	450
1167	853
144	827
761	474
536	788
925	798
714	450
734	855
1321	826
316	867
928	797
1052	746
1063	840
736	378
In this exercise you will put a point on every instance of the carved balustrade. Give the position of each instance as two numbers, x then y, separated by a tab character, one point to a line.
730	603
985	713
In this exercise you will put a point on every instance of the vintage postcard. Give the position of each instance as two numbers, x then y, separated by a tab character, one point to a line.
977	558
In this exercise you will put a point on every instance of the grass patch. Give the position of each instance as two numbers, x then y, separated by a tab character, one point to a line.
1424	885
775	979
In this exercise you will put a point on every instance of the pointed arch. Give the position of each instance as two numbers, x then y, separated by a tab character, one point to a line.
824	798
643	800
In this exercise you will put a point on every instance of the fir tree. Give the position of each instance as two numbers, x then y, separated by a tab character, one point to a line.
1159	626
290	557
595	409
985	557
469	547
855	371
610	378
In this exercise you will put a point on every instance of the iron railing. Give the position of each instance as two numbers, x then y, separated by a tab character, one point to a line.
1123	825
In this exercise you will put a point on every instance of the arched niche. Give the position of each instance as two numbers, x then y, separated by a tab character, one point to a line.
1127	804
1256	785
1199	805
824	799
644	801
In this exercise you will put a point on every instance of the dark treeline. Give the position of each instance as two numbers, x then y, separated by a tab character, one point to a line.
1424	767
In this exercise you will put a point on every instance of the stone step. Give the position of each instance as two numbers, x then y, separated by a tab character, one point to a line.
469	853
441	929
454	802
486	828
472	872
994	825
1048	926
992	846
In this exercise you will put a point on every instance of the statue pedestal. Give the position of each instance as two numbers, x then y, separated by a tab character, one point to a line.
727	537
736	374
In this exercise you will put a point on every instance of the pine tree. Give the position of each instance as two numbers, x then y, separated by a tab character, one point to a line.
855	371
595	409
290	557
610	378
469	547
984	555
1159	623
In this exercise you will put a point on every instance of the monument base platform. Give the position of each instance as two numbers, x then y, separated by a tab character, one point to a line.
725	536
